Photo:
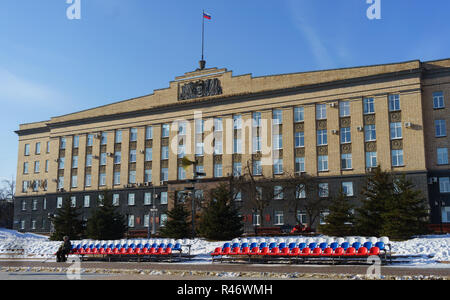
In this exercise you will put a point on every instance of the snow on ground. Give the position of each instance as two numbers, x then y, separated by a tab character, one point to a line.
426	251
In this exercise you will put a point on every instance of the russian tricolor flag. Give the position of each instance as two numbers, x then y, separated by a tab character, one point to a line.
207	16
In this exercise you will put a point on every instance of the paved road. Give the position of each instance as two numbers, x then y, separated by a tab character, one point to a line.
235	268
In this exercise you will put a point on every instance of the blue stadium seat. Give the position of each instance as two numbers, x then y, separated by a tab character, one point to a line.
356	245
162	245
334	246
177	247
235	245
323	246
124	246
262	246
119	246
272	245
226	245
368	245
292	246
312	246
148	246
302	246
380	245
282	246
244	245
132	246
140	246
170	245
254	245
345	245
154	245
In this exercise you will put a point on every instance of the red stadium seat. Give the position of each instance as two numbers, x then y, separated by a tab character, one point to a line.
82	251
284	252
226	251
88	251
327	252
236	251
265	251
317	252
130	251
245	251
295	252
152	251
168	251
306	252
137	251
374	251
123	251
339	252
255	251
275	251
362	252
144	251
217	252
116	251
102	251
160	251
350	252
109	251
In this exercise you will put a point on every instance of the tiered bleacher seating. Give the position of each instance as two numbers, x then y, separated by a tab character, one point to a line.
304	250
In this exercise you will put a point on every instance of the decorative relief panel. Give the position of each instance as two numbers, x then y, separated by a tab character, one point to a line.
217	158
397	144
346	148
369	120
300	152
346	122
371	147
321	125
201	88
164	164
396	116
165	142
322	150
299	127
149	144
237	157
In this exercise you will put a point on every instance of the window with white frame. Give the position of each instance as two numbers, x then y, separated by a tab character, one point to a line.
147	198
371	160
217	170
257	167
199	126
321	111
323	190
148	175
323	216
182	128
75	162
218	148
323	163
299	165
62	144
442	156
104	138
346	161
299	139
132	177
25	168
279	218
257	144
24	205
438	100
73	201
299	114
397	158
163	220
117	157
165	174
444	185
181	173
36	166
347	189
133	156
133	134
369	106
59	202
148	154
237	122
164	152
131	199
199	149
346	135
76	141
27	150
256	119
116	200
301	217
277	141
344	109
116	179
90	140
34	204
103	159
256	218
394	102
60	182
300	192
88	180
370	133
278	193
118	137
102	179
218	125
164	198
62	161
149	132
88	160
237	146
74	181
441	130
277	117
181	151
278	166
38	148
87	201
237	169
322	137
131	221
396	131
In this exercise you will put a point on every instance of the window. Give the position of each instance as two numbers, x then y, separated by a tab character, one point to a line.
346	135
48	147
27	150
33	224
256	220
238	196
347	189
132	177
237	169
146	220
323	163
181	173
441	129
88	180
34	204
59	202
218	147
38	148
438	100
237	146
24	205
369	106
133	134
370	133
22	224
444	185
323	190
165	131
300	192
147	198
116	200
61	163
116	180
277	117
60	182
149	133
257	168
44	204
199	149
89	160
103	159
299	165
278	193
74	181
104	138
321	111
25	168
163	220
148	154
323	216
118	138
117	158
218	125
344	109
322	138
181	151
132	156
131	221
397	158
442	154
90	140
346	161
394	102
237	122
199	169
148	175
131	199
301	216
199	126
299	114
182	128
101	200
164	174
62	144
277	141
279	218
163	198
47	165
278	166
396	131
87	201
75	162
256	119
102	179
217	170
256	144
73	201
299	139
165	153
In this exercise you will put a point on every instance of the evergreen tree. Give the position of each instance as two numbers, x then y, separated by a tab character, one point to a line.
177	225
106	223
66	222
220	220
340	220
406	214
377	193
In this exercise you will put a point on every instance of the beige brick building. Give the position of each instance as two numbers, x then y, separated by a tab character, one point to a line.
334	125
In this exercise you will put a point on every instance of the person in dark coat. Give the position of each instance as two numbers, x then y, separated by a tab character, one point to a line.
64	250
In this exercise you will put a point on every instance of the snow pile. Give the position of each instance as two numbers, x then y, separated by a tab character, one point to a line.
423	251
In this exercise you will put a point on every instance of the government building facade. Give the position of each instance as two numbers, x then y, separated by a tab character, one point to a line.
333	125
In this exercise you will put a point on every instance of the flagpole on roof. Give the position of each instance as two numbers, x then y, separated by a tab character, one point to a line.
202	62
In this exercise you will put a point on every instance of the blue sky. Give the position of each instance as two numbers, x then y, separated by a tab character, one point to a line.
51	66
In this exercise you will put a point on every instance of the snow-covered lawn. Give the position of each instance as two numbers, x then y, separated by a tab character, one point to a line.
428	251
